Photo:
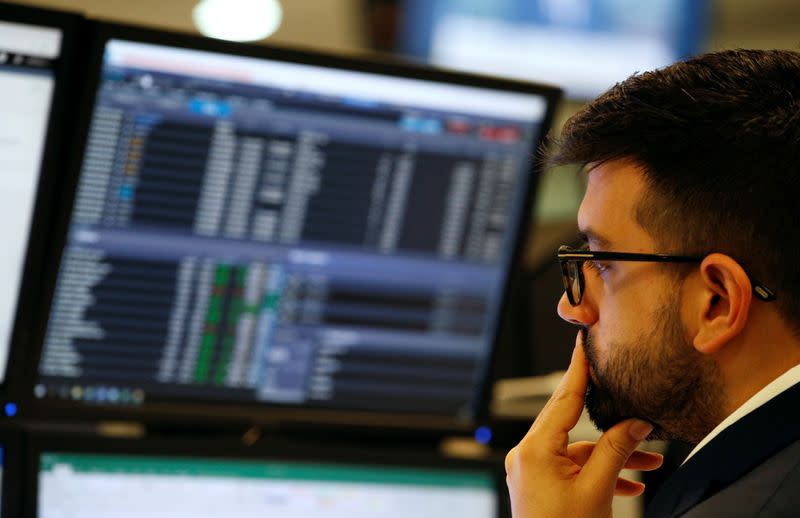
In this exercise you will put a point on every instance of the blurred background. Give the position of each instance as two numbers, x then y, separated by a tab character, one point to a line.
583	46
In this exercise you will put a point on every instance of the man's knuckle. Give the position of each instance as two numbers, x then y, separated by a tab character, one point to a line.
510	457
617	449
530	455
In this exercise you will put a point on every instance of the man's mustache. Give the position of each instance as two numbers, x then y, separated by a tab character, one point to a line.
591	356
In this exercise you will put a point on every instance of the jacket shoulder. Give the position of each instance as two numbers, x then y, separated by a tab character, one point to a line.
771	489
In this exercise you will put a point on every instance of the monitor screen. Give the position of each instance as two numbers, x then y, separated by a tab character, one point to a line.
300	234
585	46
117	485
28	57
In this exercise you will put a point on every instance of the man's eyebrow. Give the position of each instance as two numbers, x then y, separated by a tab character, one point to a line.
587	235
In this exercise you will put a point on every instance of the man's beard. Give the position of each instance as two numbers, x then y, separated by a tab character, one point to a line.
659	378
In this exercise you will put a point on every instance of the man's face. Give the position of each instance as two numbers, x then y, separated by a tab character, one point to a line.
642	363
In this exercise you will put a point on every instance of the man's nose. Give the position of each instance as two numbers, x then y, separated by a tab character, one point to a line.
584	314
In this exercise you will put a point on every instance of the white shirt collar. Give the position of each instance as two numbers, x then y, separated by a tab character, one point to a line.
783	382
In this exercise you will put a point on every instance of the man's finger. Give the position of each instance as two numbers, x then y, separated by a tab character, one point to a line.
579	453
627	487
644	461
613	450
562	411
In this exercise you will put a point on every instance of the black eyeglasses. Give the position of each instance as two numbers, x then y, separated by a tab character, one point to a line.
572	269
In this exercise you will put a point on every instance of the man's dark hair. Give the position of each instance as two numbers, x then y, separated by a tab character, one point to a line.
718	140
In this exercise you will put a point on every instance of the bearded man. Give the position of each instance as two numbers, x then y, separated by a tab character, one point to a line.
686	296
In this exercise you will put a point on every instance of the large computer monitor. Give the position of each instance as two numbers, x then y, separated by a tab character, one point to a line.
123	478
37	55
269	234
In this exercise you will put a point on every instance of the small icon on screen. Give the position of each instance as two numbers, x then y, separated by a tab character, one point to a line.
77	392
138	396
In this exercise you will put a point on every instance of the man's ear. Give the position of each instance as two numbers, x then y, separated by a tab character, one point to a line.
721	303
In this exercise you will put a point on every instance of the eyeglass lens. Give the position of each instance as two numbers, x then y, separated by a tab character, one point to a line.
572	280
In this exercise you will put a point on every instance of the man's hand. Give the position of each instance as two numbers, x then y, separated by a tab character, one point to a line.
548	477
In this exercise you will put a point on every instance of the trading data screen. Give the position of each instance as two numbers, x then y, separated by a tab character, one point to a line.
111	486
28	55
249	230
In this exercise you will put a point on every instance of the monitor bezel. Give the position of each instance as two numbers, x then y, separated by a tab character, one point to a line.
257	411
12	440
55	153
268	448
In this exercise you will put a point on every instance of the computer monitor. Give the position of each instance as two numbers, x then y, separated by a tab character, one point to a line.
270	234
122	478
37	52
586	46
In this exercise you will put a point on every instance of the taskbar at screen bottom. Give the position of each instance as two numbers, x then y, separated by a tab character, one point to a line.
166	403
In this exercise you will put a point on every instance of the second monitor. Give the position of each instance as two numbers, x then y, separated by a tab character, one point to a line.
124	478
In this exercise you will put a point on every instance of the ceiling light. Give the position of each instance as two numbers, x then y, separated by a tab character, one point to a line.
237	20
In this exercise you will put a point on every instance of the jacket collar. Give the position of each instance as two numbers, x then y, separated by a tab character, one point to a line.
735	451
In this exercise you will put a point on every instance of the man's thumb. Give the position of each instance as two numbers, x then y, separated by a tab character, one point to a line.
613	449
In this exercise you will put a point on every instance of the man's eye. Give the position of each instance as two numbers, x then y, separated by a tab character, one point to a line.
598	266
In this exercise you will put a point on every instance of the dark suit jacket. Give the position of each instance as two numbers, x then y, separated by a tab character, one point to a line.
752	468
